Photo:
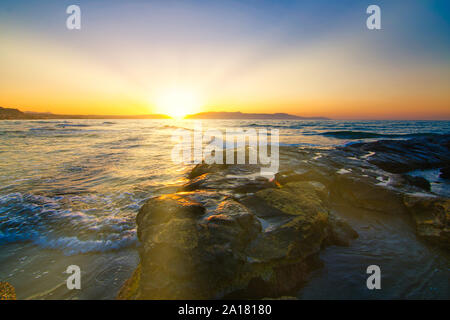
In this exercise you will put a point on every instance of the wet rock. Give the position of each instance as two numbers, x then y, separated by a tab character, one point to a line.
307	199
203	168
419	182
306	174
284	177
364	192
164	208
294	240
194	253
130	288
401	156
295	198
314	188
204	181
224	169
432	218
253	185
220	181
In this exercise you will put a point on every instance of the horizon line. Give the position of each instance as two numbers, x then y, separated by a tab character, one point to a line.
167	117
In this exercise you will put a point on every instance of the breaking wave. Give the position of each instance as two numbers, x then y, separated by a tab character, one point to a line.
372	135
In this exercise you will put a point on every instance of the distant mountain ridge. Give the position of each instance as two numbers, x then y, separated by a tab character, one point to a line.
15	114
250	116
10	113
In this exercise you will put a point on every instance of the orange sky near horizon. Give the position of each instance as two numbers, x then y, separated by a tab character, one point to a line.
306	84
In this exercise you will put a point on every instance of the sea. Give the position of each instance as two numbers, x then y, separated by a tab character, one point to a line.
70	191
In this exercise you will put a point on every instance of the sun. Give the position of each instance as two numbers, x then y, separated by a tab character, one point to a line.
177	103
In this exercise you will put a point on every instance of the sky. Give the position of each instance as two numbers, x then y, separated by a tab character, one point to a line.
308	58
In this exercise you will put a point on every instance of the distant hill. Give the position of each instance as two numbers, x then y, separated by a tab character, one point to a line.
15	114
250	116
10	113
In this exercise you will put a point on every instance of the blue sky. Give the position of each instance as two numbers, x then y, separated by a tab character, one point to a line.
229	49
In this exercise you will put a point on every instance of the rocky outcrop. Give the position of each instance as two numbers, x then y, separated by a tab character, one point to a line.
230	233
208	244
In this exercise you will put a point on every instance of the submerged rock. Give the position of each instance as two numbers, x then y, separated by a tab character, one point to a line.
296	198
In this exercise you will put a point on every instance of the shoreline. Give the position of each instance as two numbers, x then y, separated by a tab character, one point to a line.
86	184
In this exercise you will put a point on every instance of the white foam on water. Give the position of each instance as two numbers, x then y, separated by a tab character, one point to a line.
422	195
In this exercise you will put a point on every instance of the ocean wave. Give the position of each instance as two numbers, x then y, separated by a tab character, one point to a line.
298	144
49	121
73	245
372	135
11	132
63	125
305	124
43	129
257	125
171	127
48	223
70	245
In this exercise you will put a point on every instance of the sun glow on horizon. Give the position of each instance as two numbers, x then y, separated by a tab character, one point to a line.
177	103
